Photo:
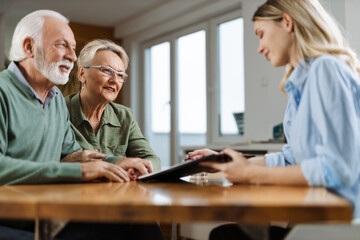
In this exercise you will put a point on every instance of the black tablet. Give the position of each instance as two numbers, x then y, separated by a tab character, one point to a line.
183	169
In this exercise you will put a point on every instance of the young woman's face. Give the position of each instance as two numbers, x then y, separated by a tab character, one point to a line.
276	41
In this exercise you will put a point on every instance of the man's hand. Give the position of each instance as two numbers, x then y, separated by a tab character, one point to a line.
135	166
100	169
84	156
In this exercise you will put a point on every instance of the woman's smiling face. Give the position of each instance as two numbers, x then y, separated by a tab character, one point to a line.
276	41
99	84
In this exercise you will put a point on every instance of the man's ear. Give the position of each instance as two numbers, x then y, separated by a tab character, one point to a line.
29	47
288	22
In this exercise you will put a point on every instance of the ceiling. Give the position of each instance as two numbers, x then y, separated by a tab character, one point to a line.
94	12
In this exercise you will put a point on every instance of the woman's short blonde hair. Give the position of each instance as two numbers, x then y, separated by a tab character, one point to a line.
316	32
88	52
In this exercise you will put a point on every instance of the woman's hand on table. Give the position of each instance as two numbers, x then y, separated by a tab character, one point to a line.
200	153
135	166
235	170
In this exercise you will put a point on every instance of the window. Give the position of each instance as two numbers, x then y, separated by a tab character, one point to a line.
231	74
197	77
191	77
157	91
160	87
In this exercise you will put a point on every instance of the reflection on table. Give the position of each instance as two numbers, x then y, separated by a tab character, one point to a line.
211	199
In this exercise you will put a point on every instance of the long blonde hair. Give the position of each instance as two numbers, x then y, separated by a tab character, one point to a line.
316	32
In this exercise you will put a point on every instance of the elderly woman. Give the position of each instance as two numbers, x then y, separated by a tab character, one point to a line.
98	123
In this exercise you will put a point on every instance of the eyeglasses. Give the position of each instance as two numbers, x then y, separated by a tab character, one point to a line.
109	71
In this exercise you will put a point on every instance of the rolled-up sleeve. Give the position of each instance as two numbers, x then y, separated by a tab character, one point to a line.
280	159
334	97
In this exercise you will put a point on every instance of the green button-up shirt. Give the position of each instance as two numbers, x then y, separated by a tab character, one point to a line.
119	134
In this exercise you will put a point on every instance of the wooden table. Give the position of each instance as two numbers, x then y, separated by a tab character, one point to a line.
172	202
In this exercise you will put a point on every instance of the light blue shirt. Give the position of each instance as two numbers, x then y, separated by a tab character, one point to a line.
13	68
322	126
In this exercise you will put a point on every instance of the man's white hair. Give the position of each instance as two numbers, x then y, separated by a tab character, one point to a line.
30	26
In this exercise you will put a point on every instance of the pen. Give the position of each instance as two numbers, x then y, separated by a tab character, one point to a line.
247	155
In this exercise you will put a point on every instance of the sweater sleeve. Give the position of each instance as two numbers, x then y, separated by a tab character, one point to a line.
19	171
23	171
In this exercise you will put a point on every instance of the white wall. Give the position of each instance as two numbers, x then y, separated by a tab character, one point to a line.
10	22
352	20
7	26
264	103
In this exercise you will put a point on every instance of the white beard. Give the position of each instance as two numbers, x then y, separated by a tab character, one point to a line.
51	70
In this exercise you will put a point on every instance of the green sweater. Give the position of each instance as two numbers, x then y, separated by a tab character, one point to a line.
119	134
33	139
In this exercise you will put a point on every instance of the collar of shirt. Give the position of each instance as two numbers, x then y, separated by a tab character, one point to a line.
296	81
16	71
78	117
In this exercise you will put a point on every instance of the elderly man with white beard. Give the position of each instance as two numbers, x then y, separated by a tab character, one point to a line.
35	132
